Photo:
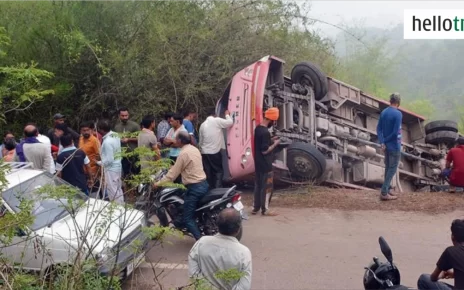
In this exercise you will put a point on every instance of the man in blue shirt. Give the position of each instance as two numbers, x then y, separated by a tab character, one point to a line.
189	117
389	135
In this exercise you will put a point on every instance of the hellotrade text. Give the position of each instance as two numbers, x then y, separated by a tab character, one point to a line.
437	23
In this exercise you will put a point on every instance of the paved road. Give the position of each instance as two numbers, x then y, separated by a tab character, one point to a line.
318	249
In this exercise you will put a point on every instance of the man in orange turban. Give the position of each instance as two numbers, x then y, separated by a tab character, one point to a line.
264	156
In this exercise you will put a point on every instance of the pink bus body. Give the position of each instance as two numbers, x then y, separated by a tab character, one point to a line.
346	141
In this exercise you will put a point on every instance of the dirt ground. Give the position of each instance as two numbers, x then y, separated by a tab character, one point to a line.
354	200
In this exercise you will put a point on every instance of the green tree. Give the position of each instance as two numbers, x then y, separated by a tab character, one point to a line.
21	85
422	107
366	64
152	56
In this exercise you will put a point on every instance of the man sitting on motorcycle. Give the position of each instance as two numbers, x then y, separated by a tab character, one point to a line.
190	167
450	265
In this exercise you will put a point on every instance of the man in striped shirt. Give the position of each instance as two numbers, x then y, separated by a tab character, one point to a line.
162	131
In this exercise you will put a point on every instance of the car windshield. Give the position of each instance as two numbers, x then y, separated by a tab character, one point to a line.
45	209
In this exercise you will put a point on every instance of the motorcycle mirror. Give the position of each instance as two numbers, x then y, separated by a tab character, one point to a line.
380	281
386	251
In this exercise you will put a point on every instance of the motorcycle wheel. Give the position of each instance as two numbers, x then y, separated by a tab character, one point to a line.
210	227
162	216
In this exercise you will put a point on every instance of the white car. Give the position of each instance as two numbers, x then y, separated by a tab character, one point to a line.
110	234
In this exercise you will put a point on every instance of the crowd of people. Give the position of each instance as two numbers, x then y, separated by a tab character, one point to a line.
94	154
80	157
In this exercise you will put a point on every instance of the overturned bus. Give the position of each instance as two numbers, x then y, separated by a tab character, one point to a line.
332	128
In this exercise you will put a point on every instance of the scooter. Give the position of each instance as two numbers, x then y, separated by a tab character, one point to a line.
381	275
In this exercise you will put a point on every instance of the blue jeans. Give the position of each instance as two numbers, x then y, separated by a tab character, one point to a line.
392	160
195	192
446	173
425	283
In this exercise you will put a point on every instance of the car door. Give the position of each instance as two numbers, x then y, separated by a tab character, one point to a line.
25	249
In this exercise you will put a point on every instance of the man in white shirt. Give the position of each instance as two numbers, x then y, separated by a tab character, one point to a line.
45	140
222	252
111	162
211	144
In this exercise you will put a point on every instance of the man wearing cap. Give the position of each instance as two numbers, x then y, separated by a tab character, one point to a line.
59	118
389	135
263	155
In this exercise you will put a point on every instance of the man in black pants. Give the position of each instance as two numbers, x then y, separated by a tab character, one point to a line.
263	154
211	143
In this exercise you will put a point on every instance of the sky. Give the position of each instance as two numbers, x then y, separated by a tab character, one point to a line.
382	14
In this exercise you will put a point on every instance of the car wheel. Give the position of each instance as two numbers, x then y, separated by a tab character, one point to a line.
441	137
309	74
441	125
305	161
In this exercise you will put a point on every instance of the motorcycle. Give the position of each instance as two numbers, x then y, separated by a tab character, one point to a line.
381	275
168	202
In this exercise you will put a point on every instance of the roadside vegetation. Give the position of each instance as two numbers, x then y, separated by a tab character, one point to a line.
151	56
86	59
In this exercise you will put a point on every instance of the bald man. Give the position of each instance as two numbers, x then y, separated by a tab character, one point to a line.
31	150
222	252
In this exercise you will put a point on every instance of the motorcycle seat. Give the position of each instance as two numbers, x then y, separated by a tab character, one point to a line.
213	194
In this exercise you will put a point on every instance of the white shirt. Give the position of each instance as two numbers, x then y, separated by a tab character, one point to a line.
212	134
110	152
45	140
212	254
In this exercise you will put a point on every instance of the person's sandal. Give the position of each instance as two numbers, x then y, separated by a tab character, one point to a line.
253	212
387	197
452	189
269	213
392	193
